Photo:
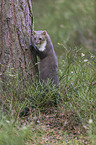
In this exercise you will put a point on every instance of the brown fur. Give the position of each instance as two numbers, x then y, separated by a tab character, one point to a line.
48	59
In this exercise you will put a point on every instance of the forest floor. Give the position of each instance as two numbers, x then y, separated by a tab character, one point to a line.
55	128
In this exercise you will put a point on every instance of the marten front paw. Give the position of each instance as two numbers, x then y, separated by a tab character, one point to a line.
31	47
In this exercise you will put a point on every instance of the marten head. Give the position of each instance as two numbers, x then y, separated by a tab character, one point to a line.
39	38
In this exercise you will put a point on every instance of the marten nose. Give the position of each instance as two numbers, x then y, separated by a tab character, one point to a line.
38	42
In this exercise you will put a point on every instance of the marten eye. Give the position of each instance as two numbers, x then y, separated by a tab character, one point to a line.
40	38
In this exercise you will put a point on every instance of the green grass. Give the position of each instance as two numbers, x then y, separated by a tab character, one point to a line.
73	121
10	134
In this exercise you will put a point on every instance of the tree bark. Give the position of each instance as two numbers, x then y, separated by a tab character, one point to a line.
16	26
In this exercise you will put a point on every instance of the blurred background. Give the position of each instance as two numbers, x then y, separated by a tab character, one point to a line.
68	22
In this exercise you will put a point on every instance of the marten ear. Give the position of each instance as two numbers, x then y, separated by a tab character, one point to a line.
44	33
33	32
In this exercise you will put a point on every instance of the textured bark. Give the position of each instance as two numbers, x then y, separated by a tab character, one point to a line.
15	31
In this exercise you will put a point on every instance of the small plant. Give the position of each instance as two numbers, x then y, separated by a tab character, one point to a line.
92	132
41	94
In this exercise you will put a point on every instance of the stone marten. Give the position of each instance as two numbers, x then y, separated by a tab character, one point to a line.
43	47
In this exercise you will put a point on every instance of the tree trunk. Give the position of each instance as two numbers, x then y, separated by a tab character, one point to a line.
16	28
